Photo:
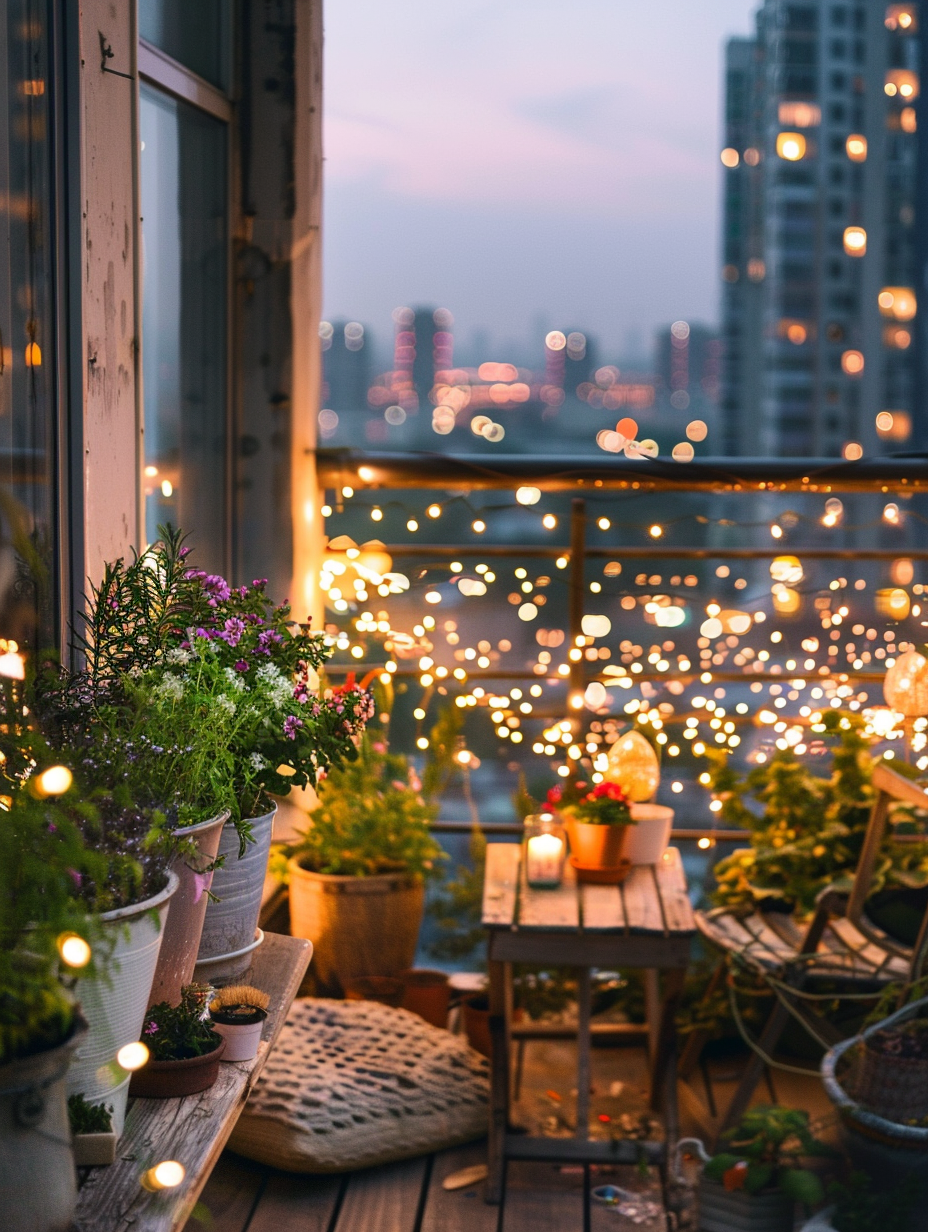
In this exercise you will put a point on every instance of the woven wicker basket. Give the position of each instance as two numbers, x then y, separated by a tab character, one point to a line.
893	1087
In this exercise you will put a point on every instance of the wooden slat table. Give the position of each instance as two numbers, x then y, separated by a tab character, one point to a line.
192	1130
645	922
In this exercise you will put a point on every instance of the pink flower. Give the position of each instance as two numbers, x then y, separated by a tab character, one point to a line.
291	723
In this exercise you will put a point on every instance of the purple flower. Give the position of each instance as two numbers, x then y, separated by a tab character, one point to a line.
75	876
241	666
217	588
291	723
151	1029
265	639
234	628
185	552
259	582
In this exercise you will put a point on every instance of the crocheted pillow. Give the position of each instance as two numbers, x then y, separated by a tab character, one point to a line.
351	1084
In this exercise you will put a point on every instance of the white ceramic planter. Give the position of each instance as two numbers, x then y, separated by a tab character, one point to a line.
227	968
230	923
242	1039
721	1210
647	840
94	1150
114	1001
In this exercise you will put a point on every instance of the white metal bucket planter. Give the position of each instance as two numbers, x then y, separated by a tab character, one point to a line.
114	1002
229	935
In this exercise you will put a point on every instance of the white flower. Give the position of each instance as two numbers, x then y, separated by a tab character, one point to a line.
234	678
225	704
279	688
178	655
257	761
171	688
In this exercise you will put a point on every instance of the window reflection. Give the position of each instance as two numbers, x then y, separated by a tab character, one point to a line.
184	234
195	35
27	471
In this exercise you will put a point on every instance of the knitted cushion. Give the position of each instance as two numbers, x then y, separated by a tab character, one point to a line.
351	1084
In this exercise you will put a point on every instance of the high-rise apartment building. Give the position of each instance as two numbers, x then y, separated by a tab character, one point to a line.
819	289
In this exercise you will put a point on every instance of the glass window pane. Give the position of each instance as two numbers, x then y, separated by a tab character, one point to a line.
194	34
184	236
28	569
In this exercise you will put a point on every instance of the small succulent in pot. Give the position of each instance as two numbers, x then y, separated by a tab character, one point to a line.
239	1005
92	1136
238	1013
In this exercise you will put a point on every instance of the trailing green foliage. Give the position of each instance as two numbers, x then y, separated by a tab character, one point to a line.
811	830
87	1118
862	1206
42	859
176	1032
765	1151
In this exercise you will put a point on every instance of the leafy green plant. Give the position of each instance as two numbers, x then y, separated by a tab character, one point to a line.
87	1118
177	1032
811	829
862	1206
372	818
42	858
765	1151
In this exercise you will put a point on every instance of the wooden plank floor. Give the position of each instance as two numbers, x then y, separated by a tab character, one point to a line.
408	1197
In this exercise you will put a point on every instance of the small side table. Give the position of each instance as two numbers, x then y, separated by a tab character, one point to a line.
645	922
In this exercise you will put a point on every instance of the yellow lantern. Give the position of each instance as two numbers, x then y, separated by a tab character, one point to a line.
893	602
905	687
633	765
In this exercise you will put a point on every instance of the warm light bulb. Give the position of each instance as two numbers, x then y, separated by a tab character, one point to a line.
376	514
655	531
166	1175
434	511
478	526
133	1056
549	521
74	950
54	781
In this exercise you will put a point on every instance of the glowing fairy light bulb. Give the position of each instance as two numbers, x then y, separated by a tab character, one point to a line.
166	1175
132	1056
74	950
54	781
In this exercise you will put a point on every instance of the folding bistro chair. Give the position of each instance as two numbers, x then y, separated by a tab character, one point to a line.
840	942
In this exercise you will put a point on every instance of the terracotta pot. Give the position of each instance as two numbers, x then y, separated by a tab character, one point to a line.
382	988
358	925
171	1079
242	1038
230	923
38	1185
476	1012
114	1000
426	993
188	909
597	846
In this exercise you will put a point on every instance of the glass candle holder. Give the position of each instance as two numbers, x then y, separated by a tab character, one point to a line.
545	849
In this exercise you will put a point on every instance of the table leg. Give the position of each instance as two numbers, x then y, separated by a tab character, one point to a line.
664	1060
499	1081
584	1005
652	1009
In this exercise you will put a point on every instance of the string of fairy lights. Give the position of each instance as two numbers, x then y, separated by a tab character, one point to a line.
740	650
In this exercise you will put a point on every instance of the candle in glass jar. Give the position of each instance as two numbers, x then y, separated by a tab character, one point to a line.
544	853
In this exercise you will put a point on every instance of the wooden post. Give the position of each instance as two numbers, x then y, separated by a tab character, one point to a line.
499	1081
584	998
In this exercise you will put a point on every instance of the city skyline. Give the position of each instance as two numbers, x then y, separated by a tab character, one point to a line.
587	191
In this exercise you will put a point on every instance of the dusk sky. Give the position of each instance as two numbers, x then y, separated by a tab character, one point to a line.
526	164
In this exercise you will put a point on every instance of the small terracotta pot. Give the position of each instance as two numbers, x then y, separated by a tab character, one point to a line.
382	988
171	1079
597	846
426	993
476	1012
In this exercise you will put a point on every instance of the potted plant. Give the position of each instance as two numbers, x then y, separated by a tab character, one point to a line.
598	824
809	832
357	875
184	1046
45	938
238	1014
758	1179
892	1071
92	1135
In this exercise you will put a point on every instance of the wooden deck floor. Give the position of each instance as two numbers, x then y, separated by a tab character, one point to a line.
408	1197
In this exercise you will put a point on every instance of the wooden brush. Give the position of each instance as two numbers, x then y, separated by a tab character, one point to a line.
239	994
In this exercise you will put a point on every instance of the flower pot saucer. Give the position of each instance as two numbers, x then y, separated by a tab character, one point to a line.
601	876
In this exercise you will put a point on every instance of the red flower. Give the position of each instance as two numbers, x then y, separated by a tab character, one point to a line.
734	1177
608	791
554	795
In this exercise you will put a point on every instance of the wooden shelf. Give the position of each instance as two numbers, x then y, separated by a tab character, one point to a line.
192	1130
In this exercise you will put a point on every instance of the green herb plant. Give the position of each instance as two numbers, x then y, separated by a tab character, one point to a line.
85	1118
765	1151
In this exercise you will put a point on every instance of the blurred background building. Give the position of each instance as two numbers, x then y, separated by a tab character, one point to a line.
819	242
